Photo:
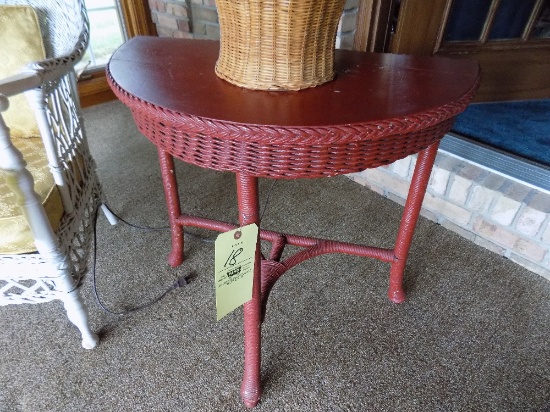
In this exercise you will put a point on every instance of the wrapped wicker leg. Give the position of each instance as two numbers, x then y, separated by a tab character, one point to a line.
277	44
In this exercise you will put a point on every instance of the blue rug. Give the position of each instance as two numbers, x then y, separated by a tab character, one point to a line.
520	128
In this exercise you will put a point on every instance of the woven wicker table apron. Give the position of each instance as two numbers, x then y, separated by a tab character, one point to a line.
380	108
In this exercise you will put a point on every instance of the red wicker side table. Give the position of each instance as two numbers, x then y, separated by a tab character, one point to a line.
380	108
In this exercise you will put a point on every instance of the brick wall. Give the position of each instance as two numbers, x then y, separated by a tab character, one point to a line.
497	213
172	17
199	19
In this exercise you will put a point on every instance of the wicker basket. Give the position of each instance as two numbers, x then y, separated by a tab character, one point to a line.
277	44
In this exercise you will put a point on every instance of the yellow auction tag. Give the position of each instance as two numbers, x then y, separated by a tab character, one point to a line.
234	266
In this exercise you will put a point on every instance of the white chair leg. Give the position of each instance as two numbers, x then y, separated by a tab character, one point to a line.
109	215
78	315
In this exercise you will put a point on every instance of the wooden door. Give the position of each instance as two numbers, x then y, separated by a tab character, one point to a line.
509	38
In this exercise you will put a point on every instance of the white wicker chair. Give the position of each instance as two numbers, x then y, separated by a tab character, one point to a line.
56	270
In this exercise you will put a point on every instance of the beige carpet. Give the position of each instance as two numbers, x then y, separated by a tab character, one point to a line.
474	334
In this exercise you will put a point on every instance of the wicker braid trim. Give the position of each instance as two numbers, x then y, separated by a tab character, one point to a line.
290	152
283	135
66	42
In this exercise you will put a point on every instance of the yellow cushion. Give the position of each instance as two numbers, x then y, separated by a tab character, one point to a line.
15	234
20	44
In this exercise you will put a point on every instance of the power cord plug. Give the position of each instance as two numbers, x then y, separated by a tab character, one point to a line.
179	283
182	281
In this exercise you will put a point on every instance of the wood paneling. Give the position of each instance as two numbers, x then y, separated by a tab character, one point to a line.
512	75
137	17
95	90
419	25
512	69
373	25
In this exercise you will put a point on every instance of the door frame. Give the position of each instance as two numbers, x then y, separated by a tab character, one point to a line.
373	20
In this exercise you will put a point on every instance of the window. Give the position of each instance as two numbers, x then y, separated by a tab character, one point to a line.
107	33
111	23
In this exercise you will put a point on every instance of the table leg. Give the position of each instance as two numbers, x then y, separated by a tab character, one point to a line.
417	190
175	257
247	193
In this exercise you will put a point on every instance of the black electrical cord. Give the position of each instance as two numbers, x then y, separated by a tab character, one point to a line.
160	228
268	197
180	282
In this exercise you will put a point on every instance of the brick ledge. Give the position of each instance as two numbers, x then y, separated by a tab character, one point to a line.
491	210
